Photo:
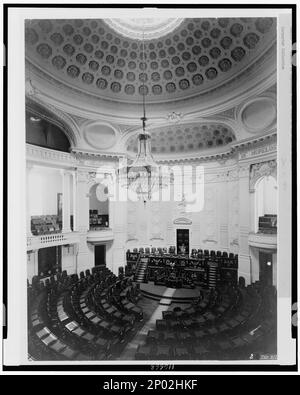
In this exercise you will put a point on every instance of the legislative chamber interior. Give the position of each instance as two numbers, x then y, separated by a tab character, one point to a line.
151	189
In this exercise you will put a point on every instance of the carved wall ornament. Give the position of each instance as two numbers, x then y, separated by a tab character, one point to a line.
256	151
174	117
244	170
91	177
262	169
182	221
156	237
30	88
182	205
228	113
232	175
209	240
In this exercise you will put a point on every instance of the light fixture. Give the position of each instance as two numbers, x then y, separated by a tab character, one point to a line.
35	119
143	176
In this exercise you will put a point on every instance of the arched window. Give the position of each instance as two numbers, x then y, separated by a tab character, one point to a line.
99	207
45	134
265	204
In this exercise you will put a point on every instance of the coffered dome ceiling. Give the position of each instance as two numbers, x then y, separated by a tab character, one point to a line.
189	58
144	28
186	138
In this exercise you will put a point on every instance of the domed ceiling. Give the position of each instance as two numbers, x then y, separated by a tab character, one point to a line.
186	138
144	28
188	57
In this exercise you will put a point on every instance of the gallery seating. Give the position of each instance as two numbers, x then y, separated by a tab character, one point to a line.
241	321
194	252
45	224
202	268
267	224
98	221
67	322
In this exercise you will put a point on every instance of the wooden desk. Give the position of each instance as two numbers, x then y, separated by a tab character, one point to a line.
78	332
49	339
43	332
71	326
58	346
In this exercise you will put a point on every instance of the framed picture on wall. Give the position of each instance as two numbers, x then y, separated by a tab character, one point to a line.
59	205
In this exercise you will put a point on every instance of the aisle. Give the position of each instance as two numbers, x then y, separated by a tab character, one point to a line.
140	338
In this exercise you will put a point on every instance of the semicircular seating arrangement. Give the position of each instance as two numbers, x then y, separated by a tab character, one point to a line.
234	324
86	317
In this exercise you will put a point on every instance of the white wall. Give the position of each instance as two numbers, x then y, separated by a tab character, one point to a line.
44	185
68	258
266	192
215	226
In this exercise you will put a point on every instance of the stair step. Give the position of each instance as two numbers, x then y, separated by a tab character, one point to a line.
165	302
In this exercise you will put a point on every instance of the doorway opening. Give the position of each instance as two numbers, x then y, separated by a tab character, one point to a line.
49	261
183	241
100	255
265	268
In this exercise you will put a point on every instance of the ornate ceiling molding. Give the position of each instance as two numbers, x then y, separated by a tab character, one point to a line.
82	154
77	103
258	114
58	47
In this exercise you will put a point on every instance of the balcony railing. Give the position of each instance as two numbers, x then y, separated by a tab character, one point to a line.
51	240
263	240
99	235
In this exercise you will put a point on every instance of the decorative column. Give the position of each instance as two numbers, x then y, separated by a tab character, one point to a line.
233	210
66	209
223	210
81	212
74	202
28	213
244	269
118	222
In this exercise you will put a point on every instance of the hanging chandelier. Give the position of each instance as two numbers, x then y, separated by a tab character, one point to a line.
143	176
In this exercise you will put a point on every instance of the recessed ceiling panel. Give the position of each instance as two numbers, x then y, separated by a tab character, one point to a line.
197	56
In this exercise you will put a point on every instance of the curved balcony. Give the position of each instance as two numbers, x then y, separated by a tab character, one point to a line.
263	241
96	236
51	240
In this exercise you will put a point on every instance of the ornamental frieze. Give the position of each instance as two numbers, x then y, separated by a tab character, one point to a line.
262	169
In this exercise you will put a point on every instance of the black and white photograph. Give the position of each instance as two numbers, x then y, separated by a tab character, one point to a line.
149	176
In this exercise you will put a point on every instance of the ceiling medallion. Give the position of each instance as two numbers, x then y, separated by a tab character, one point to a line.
152	28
